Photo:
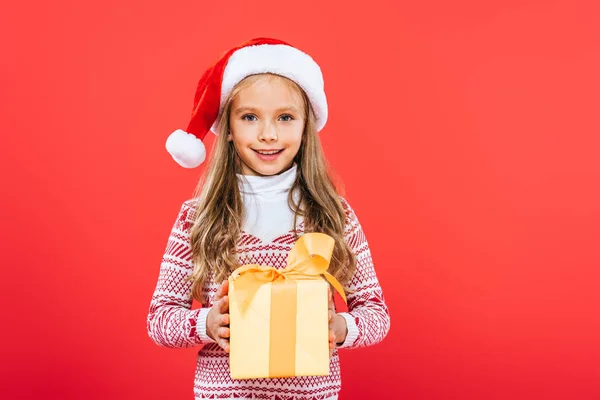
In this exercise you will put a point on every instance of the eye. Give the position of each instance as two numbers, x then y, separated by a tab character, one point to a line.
286	117
247	116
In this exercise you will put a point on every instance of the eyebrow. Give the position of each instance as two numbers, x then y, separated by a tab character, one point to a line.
242	109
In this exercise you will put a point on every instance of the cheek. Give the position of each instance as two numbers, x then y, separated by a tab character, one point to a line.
293	133
241	134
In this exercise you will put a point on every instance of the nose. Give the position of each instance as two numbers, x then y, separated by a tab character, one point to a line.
268	133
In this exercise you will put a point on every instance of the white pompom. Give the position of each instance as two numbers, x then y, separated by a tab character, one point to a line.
186	149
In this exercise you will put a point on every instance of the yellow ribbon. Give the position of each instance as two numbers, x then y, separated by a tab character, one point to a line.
308	259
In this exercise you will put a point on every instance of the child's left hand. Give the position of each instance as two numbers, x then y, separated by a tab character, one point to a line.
337	326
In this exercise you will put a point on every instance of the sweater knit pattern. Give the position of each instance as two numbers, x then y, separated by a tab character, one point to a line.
172	323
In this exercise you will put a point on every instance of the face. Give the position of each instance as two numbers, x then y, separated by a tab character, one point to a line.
266	125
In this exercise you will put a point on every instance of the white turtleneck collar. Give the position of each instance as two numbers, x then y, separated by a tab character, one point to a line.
268	185
268	214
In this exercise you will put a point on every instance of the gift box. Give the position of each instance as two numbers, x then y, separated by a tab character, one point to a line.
279	318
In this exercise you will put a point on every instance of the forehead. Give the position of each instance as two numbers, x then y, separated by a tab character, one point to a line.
269	91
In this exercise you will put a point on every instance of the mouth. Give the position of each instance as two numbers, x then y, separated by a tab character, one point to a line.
268	155
268	152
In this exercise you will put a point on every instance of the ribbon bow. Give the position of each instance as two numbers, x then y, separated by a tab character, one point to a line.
308	259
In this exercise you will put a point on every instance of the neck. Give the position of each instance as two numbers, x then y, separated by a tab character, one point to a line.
268	214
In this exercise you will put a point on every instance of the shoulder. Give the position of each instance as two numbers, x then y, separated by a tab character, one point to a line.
351	219
347	207
187	214
190	205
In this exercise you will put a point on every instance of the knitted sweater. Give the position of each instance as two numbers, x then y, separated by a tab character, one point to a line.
266	239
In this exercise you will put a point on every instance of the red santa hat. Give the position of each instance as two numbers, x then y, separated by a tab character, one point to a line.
260	55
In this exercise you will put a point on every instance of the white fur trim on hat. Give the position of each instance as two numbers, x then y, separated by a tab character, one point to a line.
186	149
281	60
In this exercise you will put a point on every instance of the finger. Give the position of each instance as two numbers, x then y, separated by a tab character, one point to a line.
223	332
224	304
224	319
225	287
331	339
221	291
330	314
224	344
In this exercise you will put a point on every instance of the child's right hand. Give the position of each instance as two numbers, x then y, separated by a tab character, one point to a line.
217	320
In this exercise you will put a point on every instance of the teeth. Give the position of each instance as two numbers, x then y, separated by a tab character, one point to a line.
268	152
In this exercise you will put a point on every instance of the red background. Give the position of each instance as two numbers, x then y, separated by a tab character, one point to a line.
467	136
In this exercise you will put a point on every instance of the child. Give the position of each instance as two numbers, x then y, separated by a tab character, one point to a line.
266	185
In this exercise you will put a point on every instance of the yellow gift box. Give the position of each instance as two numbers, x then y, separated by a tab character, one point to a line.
279	318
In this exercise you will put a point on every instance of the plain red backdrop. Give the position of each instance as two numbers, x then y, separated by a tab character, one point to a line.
467	135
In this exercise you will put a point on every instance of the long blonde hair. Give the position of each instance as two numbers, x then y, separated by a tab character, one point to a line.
220	210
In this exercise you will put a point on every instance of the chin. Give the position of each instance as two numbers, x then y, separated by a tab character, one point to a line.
268	170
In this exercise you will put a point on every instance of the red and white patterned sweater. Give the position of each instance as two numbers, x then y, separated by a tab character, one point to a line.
172	323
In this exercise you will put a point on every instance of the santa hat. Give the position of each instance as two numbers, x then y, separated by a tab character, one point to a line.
260	55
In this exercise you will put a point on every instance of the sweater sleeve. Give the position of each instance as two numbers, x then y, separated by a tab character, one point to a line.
368	318
171	322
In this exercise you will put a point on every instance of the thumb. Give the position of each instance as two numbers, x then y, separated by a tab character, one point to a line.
224	287
222	291
330	297
224	304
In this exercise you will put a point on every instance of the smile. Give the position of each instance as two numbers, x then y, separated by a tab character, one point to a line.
268	153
